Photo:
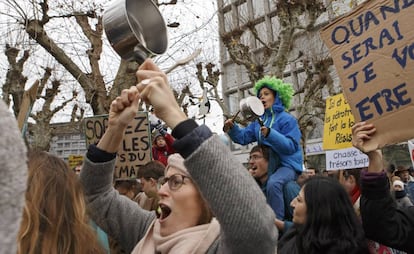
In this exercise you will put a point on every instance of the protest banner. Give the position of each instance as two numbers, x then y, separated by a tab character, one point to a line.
373	52
135	149
337	133
345	159
74	159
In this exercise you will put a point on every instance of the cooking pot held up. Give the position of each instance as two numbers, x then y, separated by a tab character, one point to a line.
135	29
251	108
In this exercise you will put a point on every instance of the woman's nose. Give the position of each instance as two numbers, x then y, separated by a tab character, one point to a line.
163	189
293	202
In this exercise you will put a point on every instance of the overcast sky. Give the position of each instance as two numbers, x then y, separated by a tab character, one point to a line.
198	29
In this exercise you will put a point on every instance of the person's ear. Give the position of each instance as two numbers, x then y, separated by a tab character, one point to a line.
153	181
130	194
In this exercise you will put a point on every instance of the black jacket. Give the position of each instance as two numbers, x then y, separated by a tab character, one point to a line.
290	244
382	220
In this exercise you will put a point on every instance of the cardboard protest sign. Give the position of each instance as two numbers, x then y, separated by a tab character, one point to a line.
73	160
373	52
337	133
345	159
135	149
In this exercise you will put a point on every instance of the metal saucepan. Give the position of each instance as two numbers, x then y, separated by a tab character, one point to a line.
251	108
135	29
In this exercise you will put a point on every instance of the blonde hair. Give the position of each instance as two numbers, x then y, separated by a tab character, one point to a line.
54	217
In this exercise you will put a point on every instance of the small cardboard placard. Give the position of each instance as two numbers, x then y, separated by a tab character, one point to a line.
347	158
135	149
73	160
373	52
337	133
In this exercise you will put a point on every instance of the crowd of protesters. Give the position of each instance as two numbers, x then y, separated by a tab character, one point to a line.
199	198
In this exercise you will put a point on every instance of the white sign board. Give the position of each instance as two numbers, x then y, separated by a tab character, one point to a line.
345	159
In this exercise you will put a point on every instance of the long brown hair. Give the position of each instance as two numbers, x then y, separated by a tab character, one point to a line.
54	217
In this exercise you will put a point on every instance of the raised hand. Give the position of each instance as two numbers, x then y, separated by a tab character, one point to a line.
361	133
154	90
228	124
265	131
123	109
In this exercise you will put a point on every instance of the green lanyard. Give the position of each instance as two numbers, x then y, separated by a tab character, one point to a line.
265	120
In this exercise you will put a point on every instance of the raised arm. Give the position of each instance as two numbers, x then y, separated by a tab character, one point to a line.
247	222
381	219
120	217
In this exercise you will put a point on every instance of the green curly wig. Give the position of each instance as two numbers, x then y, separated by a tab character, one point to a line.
284	90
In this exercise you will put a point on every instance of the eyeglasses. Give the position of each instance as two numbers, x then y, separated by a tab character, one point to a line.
254	158
174	182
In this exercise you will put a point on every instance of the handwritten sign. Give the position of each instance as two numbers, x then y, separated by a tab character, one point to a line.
74	160
337	133
135	149
345	159
373	52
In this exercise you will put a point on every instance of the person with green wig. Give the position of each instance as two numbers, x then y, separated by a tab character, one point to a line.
280	131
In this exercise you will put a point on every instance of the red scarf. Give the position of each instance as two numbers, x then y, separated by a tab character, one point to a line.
355	193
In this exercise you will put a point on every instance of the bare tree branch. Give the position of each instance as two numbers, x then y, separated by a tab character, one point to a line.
15	80
184	60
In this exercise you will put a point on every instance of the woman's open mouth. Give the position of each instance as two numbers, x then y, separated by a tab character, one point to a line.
165	212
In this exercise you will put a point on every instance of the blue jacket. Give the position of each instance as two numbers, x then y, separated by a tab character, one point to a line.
284	137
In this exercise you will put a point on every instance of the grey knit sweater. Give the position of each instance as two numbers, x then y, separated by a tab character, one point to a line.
13	178
246	221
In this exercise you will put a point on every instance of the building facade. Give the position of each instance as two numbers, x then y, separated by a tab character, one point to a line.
234	16
68	143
